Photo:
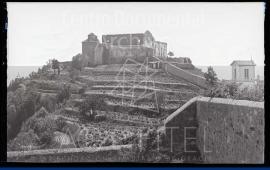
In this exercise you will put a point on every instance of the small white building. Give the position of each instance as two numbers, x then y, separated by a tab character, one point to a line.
243	70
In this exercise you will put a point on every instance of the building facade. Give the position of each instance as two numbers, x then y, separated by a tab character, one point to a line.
116	48
243	70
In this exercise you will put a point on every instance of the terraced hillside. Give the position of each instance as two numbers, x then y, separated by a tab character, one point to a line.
137	99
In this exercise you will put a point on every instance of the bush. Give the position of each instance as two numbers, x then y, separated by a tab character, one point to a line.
21	105
64	94
23	139
34	75
42	125
15	84
73	74
60	123
233	91
93	102
47	101
45	138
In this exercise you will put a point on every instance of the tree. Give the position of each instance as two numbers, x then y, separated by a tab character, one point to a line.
14	84
232	88
77	62
90	105
211	76
42	125
63	94
55	65
170	54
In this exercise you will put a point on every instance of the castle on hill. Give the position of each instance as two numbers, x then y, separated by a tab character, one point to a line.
116	48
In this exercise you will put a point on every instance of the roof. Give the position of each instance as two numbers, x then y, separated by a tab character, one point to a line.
243	62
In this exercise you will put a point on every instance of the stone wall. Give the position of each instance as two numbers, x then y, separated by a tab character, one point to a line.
218	130
101	154
99	54
120	54
183	65
160	49
182	74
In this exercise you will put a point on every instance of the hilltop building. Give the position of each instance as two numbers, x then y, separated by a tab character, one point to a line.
116	48
243	70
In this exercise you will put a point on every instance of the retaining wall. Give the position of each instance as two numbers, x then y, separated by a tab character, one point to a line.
101	154
218	130
182	74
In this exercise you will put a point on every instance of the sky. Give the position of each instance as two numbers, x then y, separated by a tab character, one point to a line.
208	33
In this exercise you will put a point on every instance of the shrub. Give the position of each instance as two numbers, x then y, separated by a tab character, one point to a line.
45	138
11	113
233	91
73	74
42	125
21	105
60	123
23	139
34	75
63	94
15	84
47	101
93	102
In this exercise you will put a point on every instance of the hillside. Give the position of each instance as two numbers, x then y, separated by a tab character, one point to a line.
135	99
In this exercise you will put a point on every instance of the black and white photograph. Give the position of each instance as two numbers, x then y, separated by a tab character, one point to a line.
135	82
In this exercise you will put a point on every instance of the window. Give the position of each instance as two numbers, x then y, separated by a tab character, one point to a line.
235	74
185	60
246	74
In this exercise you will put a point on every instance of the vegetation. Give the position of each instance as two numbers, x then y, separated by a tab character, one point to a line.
15	84
82	90
63	94
55	65
211	76
33	118
160	99
234	91
170	54
77	62
37	131
149	148
23	140
90	105
20	106
73	74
